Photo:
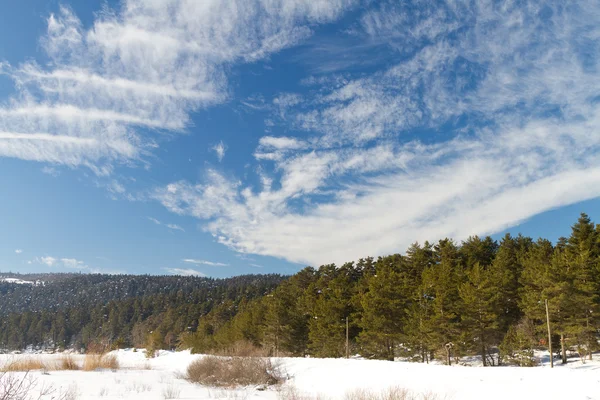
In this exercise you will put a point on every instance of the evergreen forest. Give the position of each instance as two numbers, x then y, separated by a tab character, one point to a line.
441	300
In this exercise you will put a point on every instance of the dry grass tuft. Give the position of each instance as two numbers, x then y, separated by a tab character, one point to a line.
394	393
92	362
23	365
171	392
68	363
233	371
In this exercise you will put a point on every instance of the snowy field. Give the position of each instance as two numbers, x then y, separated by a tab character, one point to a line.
160	378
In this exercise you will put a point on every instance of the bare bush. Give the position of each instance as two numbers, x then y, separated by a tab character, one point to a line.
233	371
14	387
72	393
23	386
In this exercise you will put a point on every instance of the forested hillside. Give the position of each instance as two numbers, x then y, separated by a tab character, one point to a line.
74	310
438	300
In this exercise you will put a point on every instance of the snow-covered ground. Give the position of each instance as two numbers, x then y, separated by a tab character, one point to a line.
20	281
160	378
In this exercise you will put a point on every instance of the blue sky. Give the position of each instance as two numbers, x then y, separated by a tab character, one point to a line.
244	136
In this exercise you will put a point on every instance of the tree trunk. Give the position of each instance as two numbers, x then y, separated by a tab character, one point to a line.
448	360
589	342
563	348
483	355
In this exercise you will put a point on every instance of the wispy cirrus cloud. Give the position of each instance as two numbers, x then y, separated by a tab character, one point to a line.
66	263
507	95
204	262
54	262
110	88
173	227
220	149
184	272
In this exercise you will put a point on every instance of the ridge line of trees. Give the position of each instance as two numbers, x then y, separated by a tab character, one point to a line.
439	300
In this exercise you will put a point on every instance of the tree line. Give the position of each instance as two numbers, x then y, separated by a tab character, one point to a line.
77	310
440	300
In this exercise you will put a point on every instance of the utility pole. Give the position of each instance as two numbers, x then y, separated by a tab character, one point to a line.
549	335
347	340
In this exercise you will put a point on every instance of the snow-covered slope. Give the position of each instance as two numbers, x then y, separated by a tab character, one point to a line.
19	281
331	379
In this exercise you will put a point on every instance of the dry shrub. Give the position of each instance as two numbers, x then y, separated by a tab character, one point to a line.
25	387
393	393
23	365
14	387
92	362
233	371
68	363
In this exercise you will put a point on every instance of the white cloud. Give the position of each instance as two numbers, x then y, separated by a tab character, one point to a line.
18	251
49	261
54	262
220	149
116	187
145	65
510	95
204	262
281	143
184	272
73	263
50	171
174	227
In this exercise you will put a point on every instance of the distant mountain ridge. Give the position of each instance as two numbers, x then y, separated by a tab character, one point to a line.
58	291
82	310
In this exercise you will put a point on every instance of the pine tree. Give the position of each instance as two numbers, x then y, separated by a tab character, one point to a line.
476	250
285	326
479	314
508	266
581	259
384	308
441	283
331	303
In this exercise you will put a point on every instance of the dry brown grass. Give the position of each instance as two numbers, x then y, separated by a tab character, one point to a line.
23	365
93	362
233	371
68	363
